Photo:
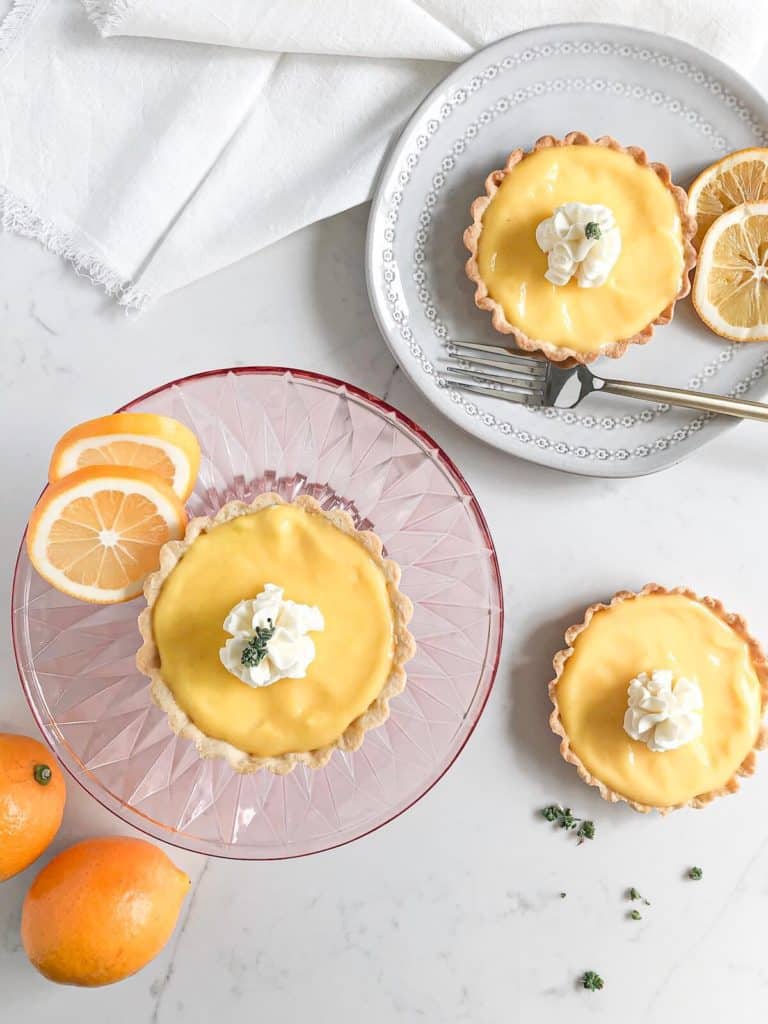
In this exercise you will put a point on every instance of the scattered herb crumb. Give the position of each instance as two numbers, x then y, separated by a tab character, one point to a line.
563	895
635	915
696	874
592	230
562	816
592	981
586	830
633	894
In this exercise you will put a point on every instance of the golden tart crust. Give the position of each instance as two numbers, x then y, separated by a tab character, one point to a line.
758	661
403	644
561	353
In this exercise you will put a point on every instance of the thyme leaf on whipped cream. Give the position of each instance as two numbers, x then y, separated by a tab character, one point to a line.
696	874
592	981
592	231
635	915
562	817
255	650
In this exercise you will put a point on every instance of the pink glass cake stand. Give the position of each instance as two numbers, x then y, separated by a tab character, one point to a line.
268	428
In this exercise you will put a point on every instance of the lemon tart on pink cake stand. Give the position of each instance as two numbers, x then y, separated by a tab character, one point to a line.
275	633
660	699
580	247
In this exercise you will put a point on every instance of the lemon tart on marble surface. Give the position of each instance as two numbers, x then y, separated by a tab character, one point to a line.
274	633
660	699
579	247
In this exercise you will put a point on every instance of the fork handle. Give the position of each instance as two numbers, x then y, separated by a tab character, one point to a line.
688	399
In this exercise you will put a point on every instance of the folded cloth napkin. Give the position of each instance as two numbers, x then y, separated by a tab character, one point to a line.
148	160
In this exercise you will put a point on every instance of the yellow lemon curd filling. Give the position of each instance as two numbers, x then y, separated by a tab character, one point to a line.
664	631
645	279
317	564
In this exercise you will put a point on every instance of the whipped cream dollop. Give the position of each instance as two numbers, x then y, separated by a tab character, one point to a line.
664	711
580	240
269	638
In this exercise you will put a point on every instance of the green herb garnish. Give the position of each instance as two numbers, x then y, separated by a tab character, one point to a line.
562	816
592	230
567	820
696	874
592	981
636	915
586	830
42	774
255	650
633	894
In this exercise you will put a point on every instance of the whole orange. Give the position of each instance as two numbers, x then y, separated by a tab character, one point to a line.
32	797
101	910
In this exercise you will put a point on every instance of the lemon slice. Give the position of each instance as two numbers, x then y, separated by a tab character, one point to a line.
740	177
97	533
157	444
730	291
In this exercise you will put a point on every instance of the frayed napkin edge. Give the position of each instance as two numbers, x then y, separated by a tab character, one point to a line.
108	15
17	217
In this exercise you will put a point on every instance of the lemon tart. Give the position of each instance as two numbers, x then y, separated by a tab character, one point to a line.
579	247
275	633
660	699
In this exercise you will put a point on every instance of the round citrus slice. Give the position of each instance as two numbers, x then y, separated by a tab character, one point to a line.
730	291
141	440
740	177
97	533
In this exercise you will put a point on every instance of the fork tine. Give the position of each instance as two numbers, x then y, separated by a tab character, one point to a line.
502	385
481	346
521	398
519	368
529	384
514	355
507	375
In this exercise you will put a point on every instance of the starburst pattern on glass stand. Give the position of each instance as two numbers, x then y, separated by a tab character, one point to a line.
295	433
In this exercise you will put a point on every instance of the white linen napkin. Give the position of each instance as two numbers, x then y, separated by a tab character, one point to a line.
447	30
148	160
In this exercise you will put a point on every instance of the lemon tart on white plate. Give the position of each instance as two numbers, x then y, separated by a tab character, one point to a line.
660	699
579	248
275	633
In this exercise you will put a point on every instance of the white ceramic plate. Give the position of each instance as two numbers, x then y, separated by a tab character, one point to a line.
686	108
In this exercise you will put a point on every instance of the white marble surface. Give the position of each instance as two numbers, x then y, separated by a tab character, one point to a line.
452	912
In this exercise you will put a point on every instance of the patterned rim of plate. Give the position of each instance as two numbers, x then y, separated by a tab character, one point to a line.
384	277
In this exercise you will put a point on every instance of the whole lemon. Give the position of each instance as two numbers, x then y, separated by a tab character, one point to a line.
101	910
32	798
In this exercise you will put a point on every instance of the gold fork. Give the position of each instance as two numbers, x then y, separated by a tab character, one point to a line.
529	380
